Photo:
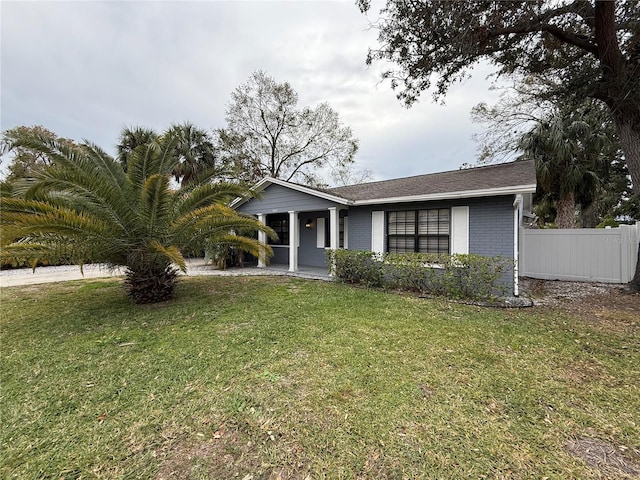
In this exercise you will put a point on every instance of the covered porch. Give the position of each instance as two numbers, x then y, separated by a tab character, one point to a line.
304	238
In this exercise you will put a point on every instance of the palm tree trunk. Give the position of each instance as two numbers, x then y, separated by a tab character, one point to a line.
150	285
566	214
588	217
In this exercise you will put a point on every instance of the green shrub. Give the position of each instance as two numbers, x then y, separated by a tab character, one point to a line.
608	222
455	276
356	266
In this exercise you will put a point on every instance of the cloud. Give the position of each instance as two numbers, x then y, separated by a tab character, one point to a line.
85	70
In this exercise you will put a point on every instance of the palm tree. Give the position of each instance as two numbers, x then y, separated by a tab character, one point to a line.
197	153
88	208
195	148
132	138
571	149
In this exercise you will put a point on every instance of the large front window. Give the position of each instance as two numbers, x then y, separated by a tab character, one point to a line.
279	222
425	231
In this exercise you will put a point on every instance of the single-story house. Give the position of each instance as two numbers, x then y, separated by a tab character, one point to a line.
474	210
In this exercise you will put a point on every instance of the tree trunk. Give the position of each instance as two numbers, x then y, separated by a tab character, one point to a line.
629	134
150	285
588	217
622	95
566	211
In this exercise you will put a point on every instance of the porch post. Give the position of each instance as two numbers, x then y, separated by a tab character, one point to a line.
293	240
334	234
262	237
334	228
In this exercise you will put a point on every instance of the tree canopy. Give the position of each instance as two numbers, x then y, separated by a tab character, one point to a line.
572	151
584	48
267	134
558	135
195	148
23	162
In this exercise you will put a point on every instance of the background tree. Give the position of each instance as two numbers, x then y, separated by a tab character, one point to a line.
590	48
22	162
572	151
267	135
132	138
616	200
523	107
195	147
198	156
86	207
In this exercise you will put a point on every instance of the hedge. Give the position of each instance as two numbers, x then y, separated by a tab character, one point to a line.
456	276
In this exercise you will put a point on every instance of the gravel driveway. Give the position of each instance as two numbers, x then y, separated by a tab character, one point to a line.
195	267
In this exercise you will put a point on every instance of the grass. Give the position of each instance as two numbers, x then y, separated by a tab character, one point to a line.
285	378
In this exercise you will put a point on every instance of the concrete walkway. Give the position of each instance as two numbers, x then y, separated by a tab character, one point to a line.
195	267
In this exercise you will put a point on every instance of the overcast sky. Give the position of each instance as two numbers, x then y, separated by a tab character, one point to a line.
85	70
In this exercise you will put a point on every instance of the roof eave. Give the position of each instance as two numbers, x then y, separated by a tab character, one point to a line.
488	192
265	182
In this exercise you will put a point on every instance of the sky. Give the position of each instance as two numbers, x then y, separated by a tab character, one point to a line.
87	69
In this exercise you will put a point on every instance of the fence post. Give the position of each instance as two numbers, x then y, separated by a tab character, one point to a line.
625	258
633	242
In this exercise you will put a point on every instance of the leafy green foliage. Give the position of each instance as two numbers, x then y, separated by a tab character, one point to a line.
434	44
87	208
572	149
617	198
453	276
24	161
357	267
195	148
576	147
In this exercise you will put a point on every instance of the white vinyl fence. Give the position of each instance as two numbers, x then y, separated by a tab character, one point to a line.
586	254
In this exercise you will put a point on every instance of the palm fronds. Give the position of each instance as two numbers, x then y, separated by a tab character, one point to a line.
86	206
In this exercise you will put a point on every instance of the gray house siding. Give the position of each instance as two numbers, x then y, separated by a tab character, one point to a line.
491	229
491	226
360	228
490	223
280	255
309	253
278	199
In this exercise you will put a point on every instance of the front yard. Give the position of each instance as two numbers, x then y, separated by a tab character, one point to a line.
281	378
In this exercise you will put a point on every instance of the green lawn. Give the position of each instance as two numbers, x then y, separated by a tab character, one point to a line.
280	378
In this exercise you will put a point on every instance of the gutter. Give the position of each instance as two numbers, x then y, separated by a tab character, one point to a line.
487	192
517	216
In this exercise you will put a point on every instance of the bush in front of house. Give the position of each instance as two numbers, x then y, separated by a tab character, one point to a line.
357	267
457	276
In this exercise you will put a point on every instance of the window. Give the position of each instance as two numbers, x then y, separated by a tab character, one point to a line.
343	232
279	222
425	231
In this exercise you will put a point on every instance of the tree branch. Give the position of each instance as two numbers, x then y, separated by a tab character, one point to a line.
557	32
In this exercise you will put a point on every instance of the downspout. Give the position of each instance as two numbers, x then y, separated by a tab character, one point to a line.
517	216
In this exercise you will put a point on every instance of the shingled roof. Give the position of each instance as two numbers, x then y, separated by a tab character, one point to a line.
506	177
491	180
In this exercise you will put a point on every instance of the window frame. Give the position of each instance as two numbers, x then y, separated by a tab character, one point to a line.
415	230
279	222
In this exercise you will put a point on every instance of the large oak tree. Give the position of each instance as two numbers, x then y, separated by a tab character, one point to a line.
590	48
